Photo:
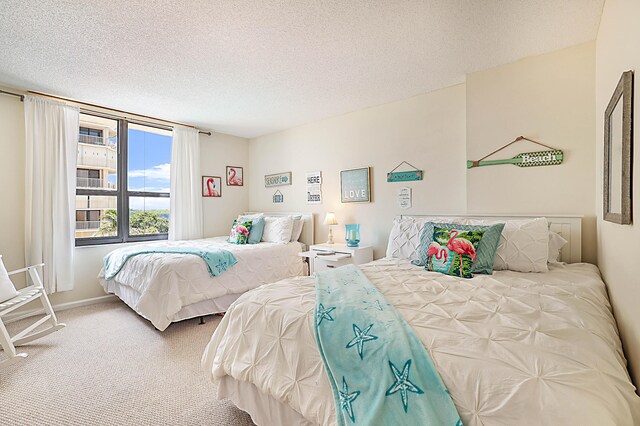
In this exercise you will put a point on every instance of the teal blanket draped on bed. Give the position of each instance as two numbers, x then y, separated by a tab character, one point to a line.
217	260
380	372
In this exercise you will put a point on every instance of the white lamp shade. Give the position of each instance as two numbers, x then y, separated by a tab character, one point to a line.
330	219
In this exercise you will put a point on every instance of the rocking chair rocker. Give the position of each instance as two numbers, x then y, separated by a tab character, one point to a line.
26	295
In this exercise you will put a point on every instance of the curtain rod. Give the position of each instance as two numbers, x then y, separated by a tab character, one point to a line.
4	92
114	110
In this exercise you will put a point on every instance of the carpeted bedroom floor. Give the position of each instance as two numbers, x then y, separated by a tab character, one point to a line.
111	367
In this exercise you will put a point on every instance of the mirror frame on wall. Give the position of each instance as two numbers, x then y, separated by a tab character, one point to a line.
624	93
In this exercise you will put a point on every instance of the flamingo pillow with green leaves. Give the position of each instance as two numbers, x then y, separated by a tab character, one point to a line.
453	251
240	231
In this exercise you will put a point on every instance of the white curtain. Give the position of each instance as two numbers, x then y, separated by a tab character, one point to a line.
51	135
185	219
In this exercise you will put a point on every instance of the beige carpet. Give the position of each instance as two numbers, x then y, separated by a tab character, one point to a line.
111	367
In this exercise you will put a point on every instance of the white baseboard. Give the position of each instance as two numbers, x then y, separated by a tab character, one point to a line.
17	316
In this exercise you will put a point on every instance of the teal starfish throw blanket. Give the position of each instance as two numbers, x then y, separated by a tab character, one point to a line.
380	372
217	260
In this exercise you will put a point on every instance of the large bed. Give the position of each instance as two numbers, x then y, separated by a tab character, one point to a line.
512	347
170	287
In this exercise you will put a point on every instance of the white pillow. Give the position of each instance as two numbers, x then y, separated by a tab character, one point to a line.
298	223
404	238
556	242
524	244
7	289
250	216
277	229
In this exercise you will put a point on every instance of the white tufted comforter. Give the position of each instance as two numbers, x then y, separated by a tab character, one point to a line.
512	348
164	283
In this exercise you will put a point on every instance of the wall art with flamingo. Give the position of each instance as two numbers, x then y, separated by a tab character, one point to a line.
211	186
234	176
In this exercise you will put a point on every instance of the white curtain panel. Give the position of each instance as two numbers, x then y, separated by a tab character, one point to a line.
185	220
52	136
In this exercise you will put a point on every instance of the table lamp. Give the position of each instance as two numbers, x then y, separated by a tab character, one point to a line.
330	219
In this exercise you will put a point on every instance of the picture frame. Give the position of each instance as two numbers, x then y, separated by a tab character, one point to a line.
355	185
617	191
211	186
235	176
277	179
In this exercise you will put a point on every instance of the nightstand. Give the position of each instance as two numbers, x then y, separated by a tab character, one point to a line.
340	255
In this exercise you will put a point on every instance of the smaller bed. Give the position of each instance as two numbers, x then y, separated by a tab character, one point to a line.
169	287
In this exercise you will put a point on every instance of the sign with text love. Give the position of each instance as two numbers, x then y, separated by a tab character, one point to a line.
526	159
355	185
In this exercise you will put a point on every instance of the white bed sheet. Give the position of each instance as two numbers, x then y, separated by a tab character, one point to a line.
160	285
512	348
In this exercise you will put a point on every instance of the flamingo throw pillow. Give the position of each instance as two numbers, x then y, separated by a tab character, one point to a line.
453	251
240	231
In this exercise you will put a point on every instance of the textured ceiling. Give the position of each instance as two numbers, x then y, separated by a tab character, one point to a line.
254	67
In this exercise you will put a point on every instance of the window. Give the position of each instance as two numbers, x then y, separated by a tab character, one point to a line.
122	189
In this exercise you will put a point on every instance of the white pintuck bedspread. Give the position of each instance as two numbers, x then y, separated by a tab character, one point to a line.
512	348
167	282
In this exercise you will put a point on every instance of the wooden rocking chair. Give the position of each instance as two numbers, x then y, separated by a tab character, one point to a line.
26	295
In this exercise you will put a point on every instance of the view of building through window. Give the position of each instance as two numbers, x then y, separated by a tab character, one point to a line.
148	171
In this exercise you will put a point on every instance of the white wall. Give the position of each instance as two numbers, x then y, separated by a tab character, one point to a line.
427	130
548	98
217	151
12	177
618	50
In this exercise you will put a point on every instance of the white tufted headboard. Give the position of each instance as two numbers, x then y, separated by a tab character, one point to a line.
569	227
307	236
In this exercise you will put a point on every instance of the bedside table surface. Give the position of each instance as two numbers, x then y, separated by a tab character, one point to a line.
337	247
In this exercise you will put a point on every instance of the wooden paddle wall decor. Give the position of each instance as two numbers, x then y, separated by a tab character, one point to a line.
550	157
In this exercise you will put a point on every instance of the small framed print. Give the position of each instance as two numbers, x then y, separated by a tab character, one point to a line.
211	186
355	185
234	176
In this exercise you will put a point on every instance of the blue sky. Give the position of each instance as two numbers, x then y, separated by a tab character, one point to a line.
149	168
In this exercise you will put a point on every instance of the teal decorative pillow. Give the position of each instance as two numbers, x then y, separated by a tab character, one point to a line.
483	263
240	231
257	229
453	251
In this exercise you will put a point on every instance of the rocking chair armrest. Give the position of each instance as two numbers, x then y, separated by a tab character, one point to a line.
17	271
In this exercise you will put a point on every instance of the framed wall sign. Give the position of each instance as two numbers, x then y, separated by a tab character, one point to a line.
277	179
278	197
404	198
355	185
234	176
314	194
211	186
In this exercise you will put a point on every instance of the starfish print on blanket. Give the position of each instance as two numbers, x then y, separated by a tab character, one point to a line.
324	314
361	337
402	384
346	399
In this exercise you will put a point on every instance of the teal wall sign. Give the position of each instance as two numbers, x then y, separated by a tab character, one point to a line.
551	157
526	159
404	176
415	174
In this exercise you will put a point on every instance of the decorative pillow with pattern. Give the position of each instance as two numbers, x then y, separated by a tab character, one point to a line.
483	263
240	231
453	251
